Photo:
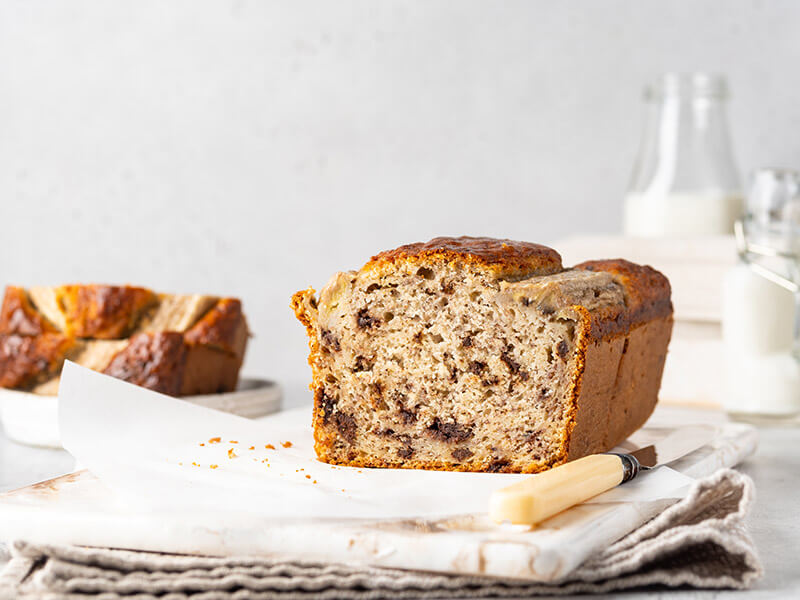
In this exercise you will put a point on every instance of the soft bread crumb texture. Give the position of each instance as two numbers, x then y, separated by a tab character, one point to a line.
482	355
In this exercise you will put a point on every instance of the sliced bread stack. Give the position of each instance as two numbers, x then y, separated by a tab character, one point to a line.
171	343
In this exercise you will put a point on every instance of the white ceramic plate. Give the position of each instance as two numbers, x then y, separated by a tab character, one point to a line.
33	419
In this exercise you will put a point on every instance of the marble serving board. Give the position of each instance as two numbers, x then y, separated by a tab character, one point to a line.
80	509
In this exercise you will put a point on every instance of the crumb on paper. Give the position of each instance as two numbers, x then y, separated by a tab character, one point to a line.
315	481
308	476
234	441
269	447
286	444
194	464
231	453
252	448
215	440
180	463
212	466
202	444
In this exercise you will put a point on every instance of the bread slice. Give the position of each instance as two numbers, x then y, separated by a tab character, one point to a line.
94	311
477	354
19	317
176	312
174	344
166	363
223	328
26	361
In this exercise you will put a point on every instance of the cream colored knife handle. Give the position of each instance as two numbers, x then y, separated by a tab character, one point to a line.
546	494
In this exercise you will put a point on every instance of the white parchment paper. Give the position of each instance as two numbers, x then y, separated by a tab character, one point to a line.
168	455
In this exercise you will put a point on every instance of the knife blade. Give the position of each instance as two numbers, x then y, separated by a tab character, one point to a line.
677	444
545	494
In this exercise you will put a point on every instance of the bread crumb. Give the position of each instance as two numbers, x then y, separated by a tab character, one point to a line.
234	442
252	448
212	466
215	440
315	481
202	444
286	444
308	476
231	453
194	464
269	447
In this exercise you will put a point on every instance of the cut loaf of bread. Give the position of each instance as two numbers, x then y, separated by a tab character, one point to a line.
175	344
476	354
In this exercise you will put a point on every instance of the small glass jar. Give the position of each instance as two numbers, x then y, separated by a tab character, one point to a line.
685	181
760	324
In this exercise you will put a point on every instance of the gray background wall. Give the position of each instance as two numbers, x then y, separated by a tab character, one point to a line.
253	148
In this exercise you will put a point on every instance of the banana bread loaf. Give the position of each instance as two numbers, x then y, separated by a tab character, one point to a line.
476	354
171	343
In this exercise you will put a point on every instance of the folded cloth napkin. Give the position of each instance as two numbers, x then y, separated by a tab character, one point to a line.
700	541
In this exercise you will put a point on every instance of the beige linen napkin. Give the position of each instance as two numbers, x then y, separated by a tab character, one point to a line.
700	541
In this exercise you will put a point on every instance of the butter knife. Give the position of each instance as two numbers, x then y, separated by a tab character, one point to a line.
548	493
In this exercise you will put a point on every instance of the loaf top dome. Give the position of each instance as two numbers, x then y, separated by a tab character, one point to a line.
503	258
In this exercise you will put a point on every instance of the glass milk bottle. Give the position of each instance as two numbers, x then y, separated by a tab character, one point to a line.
759	312
685	180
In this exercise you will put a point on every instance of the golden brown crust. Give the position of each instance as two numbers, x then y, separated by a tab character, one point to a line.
153	360
18	315
300	303
647	295
503	258
27	360
223	327
471	467
103	311
621	355
618	389
303	304
209	371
